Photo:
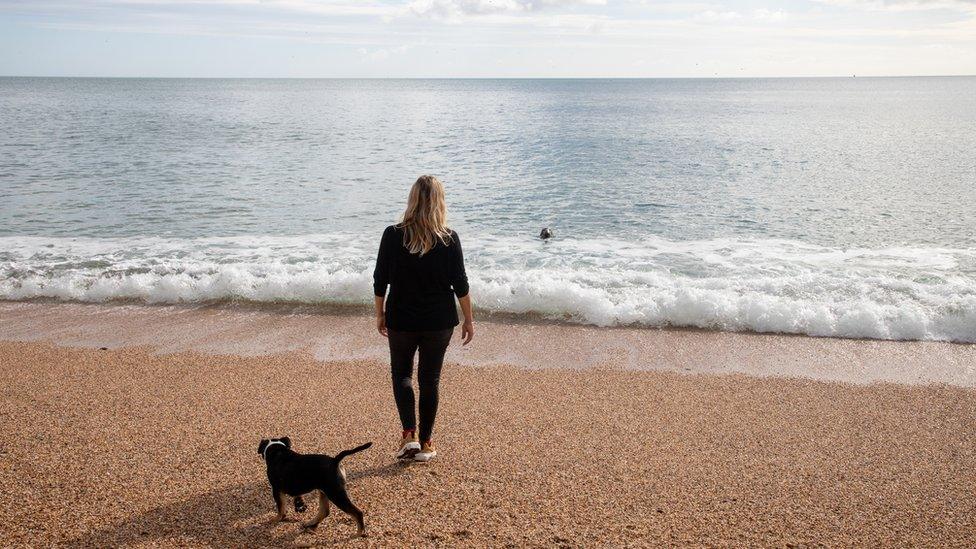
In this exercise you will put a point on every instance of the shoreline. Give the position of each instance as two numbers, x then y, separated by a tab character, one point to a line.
347	333
130	447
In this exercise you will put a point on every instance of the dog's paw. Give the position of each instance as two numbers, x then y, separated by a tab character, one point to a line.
300	505
278	519
310	525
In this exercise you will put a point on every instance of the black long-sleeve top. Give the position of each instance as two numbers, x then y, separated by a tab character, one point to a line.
422	288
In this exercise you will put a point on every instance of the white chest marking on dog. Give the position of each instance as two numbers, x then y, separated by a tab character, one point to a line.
270	444
342	472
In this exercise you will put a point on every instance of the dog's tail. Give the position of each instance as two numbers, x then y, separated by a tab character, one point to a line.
346	453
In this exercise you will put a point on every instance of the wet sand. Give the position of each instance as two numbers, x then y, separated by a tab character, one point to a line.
331	335
143	445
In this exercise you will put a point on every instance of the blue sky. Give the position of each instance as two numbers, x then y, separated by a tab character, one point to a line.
486	38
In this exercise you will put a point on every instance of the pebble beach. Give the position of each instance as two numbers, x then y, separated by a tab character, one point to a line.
129	444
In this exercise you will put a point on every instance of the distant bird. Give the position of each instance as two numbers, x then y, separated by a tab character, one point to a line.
546	234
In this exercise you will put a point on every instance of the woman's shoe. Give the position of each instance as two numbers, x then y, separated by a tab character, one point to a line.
426	453
408	446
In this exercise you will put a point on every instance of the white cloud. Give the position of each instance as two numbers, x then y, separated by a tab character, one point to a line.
454	10
768	15
530	37
760	14
382	54
905	5
712	15
117	8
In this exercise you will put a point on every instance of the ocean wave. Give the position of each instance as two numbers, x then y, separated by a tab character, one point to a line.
723	284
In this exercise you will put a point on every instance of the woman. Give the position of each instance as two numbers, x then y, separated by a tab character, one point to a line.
420	260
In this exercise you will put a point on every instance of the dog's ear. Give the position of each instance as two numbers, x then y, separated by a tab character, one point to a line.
261	447
287	442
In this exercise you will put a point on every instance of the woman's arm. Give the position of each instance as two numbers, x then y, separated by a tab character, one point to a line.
467	329
459	281
381	279
380	317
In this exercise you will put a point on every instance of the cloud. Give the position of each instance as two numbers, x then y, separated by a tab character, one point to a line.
382	54
769	15
712	15
761	14
904	5
453	10
119	8
534	37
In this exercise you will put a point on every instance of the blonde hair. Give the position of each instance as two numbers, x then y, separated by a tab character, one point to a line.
424	221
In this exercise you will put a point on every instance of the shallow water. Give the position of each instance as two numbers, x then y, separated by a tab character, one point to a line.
837	207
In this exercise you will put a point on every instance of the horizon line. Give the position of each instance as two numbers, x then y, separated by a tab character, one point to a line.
492	77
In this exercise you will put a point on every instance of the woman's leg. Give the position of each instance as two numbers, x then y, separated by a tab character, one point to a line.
433	345
403	345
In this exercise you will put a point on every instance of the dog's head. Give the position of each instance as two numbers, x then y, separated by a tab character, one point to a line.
266	442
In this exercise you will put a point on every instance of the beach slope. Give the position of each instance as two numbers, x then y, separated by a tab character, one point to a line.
131	447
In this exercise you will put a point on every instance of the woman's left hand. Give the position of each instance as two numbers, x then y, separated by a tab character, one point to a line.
381	325
467	332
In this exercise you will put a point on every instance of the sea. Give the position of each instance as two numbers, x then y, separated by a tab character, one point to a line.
841	207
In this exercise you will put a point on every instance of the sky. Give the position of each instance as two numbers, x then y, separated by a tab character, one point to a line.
486	38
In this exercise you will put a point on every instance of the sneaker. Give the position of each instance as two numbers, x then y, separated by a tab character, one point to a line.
426	453
408	446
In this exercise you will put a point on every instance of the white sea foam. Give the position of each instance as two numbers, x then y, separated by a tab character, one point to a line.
725	284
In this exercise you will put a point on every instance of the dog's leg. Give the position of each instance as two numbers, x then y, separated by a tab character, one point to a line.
279	503
300	505
323	512
341	500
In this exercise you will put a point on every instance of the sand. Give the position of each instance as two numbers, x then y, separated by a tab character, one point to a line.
331	335
131	446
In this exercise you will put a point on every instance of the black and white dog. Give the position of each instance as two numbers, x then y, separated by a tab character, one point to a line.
294	474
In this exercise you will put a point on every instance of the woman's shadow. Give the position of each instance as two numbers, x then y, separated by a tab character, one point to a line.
235	516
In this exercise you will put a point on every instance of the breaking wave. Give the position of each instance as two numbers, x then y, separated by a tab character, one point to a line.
722	284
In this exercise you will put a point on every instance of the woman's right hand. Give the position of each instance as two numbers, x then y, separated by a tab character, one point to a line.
467	332
381	325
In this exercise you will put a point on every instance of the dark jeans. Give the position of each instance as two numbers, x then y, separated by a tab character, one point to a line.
403	346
